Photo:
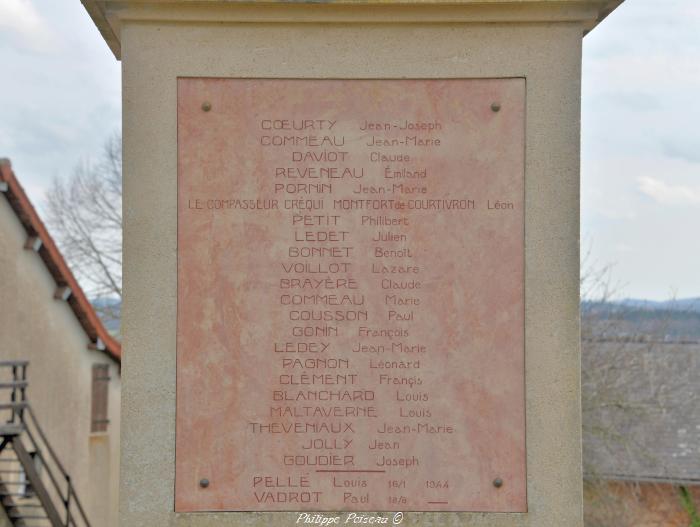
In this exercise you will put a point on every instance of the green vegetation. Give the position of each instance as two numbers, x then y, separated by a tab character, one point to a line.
689	506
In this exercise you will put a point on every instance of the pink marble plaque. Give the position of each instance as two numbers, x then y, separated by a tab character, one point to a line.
350	330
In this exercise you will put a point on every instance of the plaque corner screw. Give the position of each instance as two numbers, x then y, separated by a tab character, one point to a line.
206	106
204	483
496	107
498	483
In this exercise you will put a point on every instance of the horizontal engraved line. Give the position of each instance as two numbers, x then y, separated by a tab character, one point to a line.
358	470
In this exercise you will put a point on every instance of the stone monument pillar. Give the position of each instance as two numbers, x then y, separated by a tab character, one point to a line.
351	260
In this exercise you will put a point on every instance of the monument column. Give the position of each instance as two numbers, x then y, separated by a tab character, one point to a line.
351	260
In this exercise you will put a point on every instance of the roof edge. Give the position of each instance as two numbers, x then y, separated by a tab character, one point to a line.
56	264
644	478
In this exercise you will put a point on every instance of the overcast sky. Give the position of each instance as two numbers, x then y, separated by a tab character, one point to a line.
60	100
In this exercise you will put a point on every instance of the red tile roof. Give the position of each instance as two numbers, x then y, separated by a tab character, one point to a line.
57	266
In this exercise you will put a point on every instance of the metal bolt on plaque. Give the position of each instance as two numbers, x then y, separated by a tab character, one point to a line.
496	107
498	483
204	483
206	106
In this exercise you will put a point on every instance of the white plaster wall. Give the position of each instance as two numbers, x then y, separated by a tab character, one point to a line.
36	327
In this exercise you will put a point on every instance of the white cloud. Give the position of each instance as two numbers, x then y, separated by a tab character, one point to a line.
666	194
22	18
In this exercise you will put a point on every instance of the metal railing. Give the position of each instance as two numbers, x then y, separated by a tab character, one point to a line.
59	489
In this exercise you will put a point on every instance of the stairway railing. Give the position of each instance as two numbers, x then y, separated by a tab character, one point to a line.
55	490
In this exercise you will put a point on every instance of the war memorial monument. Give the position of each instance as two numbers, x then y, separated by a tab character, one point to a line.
351	260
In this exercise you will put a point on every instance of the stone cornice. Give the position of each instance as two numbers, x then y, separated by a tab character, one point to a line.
109	15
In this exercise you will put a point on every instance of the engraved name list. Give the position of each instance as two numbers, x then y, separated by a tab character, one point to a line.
350	295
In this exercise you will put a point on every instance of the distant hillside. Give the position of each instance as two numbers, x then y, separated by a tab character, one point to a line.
669	320
684	304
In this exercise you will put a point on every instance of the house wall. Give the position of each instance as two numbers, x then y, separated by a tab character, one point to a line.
36	327
622	504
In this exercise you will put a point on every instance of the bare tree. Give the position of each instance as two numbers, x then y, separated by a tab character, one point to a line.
84	214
